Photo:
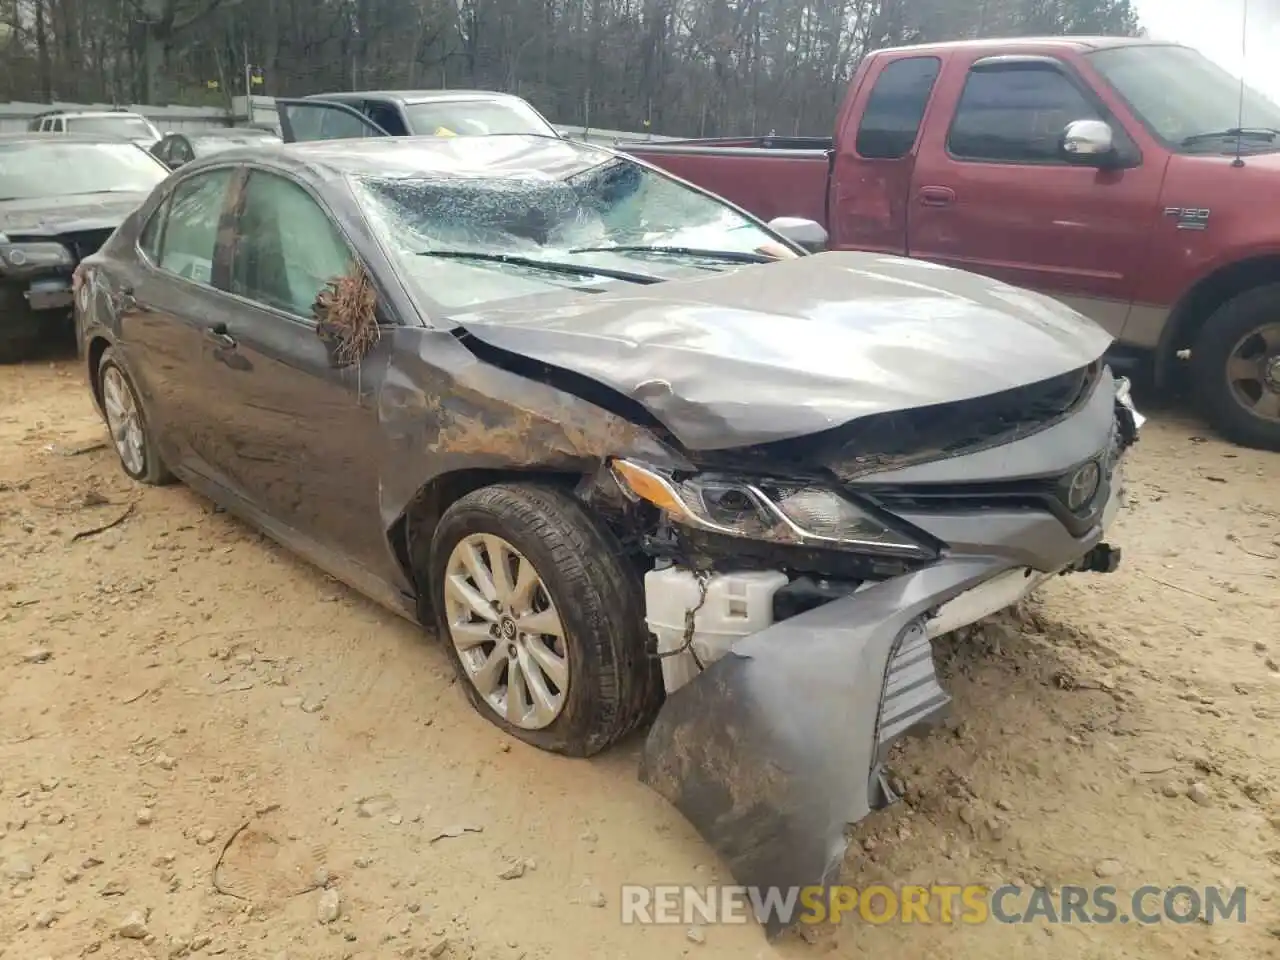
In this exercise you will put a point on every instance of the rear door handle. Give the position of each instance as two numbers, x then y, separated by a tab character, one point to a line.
937	196
219	335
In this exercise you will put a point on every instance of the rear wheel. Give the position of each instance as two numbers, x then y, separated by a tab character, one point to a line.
1236	363
127	424
542	618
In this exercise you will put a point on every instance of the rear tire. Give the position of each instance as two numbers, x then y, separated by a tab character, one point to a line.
612	684
139	457
1226	345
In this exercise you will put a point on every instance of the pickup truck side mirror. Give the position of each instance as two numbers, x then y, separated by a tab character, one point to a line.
804	233
1089	143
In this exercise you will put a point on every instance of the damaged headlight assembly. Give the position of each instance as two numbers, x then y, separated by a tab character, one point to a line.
782	511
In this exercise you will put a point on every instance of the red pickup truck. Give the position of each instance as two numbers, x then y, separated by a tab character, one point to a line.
1127	178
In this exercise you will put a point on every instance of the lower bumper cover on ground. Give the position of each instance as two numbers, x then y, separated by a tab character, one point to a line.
776	748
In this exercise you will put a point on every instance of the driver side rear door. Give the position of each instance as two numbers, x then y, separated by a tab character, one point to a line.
306	120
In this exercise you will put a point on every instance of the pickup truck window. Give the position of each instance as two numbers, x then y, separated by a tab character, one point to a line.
1177	92
1016	114
895	107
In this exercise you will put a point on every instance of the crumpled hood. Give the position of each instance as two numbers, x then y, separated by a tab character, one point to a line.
51	216
786	349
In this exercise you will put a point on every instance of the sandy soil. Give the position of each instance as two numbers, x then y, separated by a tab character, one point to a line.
177	693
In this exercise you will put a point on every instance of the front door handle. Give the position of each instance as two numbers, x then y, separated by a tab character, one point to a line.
937	196
219	335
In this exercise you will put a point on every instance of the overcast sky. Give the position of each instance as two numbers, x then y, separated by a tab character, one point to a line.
1214	26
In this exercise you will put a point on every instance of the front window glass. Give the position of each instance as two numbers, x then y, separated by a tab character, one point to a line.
81	168
131	127
1180	93
1015	114
475	118
287	248
616	214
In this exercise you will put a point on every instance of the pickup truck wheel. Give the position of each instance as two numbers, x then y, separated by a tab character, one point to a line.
1236	364
127	424
542	618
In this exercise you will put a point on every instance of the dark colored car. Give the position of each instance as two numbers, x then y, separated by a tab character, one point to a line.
176	149
61	196
611	435
406	113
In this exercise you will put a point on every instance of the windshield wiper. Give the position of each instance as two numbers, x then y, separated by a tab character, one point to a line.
1263	134
730	256
550	266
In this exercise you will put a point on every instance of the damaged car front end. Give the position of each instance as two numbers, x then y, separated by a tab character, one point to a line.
633	454
839	492
773	740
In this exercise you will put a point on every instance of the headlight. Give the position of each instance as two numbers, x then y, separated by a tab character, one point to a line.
783	511
35	255
1124	397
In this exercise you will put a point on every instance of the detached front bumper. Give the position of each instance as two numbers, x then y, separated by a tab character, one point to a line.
779	745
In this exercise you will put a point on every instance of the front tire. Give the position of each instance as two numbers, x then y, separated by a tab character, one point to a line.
127	423
542	617
1236	367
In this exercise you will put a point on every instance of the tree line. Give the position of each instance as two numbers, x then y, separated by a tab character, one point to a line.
678	67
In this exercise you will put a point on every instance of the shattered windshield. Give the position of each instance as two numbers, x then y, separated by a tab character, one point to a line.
470	224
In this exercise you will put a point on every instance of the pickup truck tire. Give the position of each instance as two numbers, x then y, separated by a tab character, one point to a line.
131	437
1231	342
596	629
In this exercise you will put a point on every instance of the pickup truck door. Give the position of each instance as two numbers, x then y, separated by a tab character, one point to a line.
993	192
303	120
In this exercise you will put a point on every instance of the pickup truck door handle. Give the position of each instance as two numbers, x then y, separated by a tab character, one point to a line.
937	196
218	334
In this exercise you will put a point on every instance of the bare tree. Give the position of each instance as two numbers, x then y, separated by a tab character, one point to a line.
673	66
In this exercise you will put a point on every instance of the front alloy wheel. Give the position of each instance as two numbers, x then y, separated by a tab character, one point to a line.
542	615
1236	363
1253	372
506	631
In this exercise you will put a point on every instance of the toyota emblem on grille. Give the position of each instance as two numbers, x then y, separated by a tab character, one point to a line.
1083	485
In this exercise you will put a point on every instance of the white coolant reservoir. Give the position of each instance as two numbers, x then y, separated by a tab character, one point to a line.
737	604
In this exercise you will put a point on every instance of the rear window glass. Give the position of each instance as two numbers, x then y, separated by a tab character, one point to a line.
891	118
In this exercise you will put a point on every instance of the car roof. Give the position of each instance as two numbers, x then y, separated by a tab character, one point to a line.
72	114
1015	45
229	132
34	136
415	96
500	157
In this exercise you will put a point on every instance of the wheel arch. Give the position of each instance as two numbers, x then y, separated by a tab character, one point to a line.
410	535
1198	304
93	358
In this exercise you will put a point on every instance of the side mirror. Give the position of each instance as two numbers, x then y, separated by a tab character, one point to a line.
1089	142
804	233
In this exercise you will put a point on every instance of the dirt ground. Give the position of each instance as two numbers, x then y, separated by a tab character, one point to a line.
202	738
